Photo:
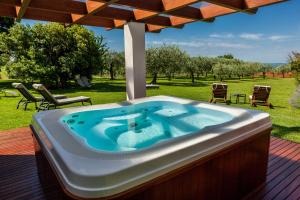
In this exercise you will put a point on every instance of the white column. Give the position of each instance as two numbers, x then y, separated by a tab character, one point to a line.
134	39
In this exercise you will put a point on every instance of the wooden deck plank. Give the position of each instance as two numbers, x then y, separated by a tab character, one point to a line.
19	178
294	195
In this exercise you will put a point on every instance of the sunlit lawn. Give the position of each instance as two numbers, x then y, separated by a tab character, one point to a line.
286	120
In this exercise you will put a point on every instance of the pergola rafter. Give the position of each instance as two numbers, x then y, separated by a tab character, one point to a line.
20	10
156	14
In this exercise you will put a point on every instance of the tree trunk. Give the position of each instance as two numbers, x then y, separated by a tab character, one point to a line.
111	72
154	79
193	77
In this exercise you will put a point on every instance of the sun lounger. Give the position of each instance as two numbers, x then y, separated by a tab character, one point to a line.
83	81
29	98
50	101
152	86
86	81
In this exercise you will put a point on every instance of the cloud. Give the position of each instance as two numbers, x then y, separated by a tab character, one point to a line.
251	36
197	44
227	35
278	37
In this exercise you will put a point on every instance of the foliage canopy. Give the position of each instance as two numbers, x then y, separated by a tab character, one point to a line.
51	53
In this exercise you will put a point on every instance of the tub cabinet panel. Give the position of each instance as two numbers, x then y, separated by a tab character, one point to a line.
228	174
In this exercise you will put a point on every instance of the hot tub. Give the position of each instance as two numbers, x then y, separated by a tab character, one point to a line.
154	148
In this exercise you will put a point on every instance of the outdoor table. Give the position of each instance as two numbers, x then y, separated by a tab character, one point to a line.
237	97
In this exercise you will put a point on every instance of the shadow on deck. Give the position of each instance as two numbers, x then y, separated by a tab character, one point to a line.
19	178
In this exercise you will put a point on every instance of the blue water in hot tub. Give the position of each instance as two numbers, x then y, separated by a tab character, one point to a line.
141	125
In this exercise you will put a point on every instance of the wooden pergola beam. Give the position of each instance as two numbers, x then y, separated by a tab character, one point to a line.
128	15
152	13
251	4
92	7
146	9
21	9
238	5
8	11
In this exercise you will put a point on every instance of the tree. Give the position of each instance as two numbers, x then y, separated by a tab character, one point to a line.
52	53
264	68
6	23
153	64
170	60
294	60
204	65
191	65
227	56
115	63
283	69
166	59
225	67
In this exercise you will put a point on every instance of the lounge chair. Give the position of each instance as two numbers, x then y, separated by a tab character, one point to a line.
86	81
152	86
28	97
50	101
9	93
219	93
260	96
79	81
83	81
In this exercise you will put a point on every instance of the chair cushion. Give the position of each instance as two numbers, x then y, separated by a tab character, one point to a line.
73	100
59	96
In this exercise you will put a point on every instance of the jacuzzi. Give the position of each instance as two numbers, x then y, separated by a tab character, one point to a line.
153	148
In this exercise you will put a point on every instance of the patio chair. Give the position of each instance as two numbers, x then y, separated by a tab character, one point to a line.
83	81
50	101
260	96
86	81
152	86
79	81
219	92
28	97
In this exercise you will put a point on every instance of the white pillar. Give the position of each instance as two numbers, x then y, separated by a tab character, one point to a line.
134	39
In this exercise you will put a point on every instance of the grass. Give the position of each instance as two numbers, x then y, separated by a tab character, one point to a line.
286	120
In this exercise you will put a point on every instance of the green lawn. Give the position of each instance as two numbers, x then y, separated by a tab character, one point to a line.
286	119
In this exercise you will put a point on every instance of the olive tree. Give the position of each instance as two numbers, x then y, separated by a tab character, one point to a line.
153	63
191	66
167	60
115	63
294	60
52	53
283	69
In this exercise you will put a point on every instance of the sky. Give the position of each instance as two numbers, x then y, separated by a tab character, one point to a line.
268	36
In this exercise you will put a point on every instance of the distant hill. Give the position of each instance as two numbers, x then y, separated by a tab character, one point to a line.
275	64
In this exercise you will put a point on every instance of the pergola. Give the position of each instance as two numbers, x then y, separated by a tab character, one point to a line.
135	16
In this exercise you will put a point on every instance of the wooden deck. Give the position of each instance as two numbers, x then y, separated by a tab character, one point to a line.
19	179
